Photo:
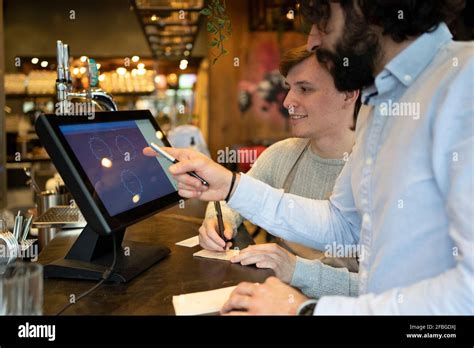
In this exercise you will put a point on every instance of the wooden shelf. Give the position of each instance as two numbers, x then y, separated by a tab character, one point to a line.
25	95
120	94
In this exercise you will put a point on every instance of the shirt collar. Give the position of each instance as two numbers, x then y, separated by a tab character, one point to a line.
410	62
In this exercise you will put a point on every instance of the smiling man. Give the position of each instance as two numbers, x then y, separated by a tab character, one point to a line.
405	195
322	124
307	165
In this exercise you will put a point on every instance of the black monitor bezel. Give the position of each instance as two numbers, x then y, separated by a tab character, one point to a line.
128	217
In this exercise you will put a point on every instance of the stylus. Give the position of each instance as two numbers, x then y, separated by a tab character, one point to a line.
174	160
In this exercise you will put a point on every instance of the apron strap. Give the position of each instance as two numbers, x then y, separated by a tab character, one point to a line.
291	174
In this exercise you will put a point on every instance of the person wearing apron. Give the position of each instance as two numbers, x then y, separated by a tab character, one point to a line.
294	166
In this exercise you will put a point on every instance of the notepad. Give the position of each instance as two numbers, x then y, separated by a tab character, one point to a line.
218	255
203	302
190	242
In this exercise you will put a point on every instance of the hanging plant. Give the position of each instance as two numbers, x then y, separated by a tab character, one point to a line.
218	24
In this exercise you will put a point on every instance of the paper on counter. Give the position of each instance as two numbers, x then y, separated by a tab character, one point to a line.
218	255
203	302
190	242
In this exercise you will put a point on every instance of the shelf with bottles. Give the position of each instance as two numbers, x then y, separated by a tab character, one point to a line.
43	84
128	76
35	83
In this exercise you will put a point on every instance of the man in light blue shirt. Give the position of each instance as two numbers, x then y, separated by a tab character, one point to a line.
405	196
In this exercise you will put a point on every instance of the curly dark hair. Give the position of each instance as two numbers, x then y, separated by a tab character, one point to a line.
398	18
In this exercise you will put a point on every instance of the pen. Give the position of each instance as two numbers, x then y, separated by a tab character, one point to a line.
174	160
220	222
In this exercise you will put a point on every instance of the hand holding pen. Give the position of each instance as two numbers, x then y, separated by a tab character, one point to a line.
165	153
209	237
220	221
173	160
219	178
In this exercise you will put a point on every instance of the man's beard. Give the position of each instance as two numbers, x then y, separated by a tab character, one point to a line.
352	63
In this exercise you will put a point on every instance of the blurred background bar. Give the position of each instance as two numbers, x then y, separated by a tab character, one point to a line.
160	55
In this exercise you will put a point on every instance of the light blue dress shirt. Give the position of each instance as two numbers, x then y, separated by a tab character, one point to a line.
405	196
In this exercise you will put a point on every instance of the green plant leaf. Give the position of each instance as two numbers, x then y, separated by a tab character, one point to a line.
211	28
219	25
220	8
205	12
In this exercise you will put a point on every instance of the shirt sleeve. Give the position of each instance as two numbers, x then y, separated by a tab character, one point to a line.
261	170
451	292
315	223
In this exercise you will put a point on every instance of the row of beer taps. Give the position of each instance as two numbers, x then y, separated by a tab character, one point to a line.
64	91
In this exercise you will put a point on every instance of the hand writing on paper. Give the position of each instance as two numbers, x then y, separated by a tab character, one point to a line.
209	239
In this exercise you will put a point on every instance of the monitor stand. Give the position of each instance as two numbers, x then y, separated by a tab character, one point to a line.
92	254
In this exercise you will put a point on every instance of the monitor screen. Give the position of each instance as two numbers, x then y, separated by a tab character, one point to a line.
110	154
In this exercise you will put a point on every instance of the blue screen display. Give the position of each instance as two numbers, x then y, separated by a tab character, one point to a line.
111	155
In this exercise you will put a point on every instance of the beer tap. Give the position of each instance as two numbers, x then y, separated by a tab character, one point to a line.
64	89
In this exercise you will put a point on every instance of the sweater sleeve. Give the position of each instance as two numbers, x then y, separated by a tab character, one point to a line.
316	279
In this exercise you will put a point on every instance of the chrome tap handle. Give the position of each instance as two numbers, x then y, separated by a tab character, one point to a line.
66	60
61	84
60	54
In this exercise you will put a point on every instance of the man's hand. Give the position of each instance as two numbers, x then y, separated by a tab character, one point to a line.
269	256
270	298
218	177
209	238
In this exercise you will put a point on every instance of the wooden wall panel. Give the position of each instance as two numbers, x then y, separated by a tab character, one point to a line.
258	52
3	150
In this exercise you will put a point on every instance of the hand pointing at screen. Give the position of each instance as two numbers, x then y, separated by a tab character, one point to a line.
218	177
